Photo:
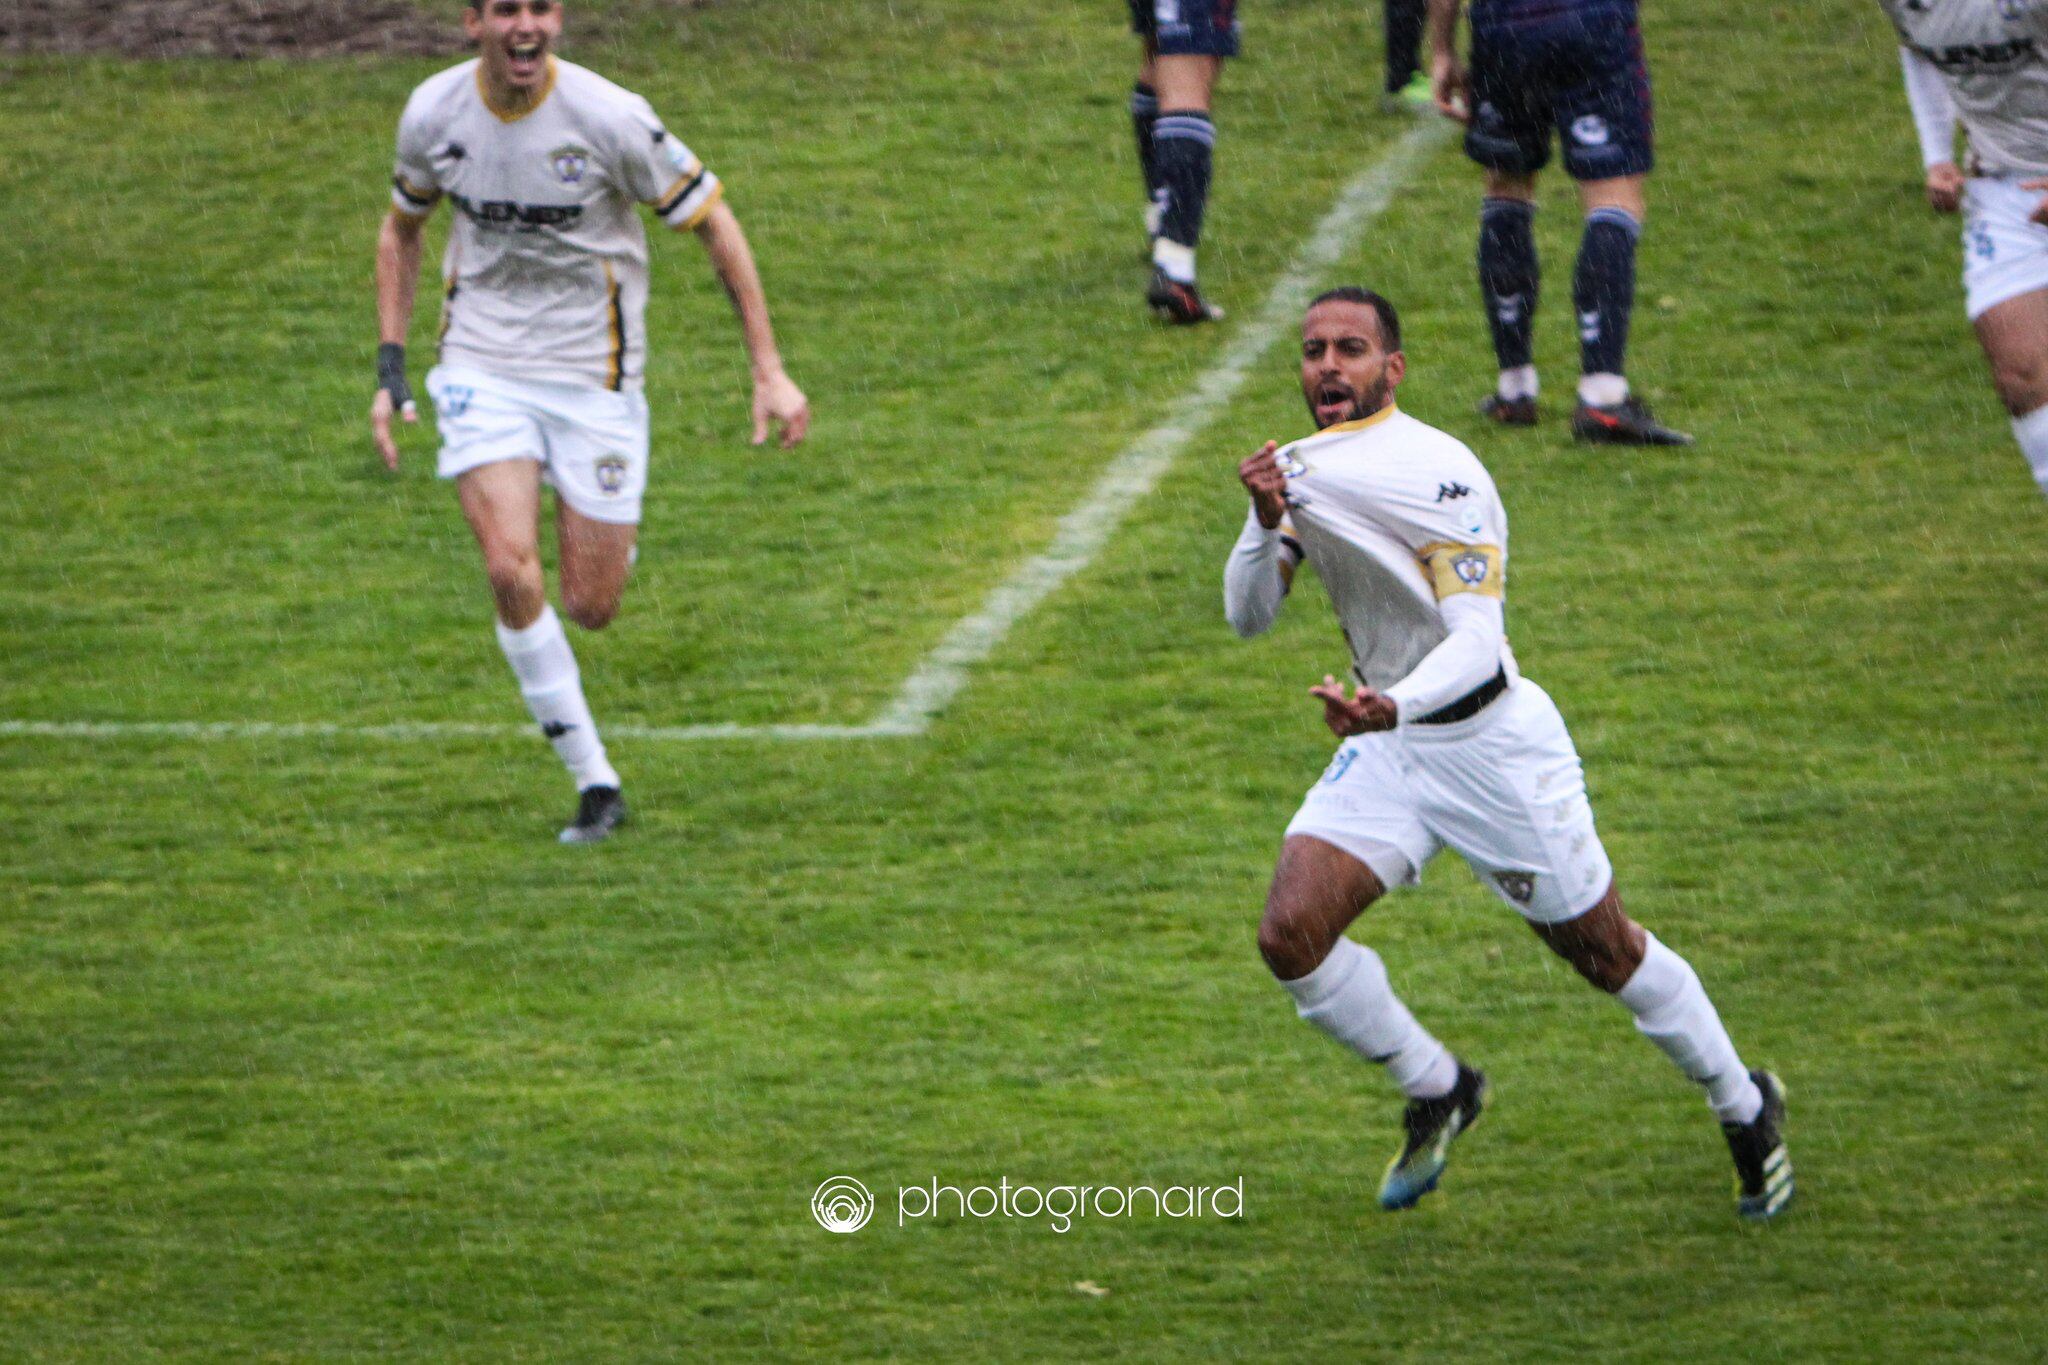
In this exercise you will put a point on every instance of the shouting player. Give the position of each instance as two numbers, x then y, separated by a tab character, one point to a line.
1445	744
543	338
1988	61
1575	66
1184	43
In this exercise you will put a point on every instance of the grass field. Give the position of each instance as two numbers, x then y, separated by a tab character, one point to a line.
320	1047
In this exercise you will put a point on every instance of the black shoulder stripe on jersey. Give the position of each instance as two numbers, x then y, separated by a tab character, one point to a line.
406	193
664	210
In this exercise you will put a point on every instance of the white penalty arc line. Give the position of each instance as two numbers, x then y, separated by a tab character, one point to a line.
1080	536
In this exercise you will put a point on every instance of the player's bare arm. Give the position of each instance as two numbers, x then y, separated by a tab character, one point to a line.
400	245
777	399
1261	476
1446	71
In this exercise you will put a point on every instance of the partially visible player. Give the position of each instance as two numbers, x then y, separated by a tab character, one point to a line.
1407	86
1184	44
1575	66
1985	63
543	336
1445	745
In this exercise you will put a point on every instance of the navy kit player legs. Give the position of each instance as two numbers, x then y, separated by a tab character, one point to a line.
1984	64
1184	44
543	338
1446	744
1575	66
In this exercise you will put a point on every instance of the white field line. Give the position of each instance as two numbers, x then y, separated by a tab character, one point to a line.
1080	536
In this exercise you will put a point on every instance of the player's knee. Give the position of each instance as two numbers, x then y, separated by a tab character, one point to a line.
592	611
514	569
2021	381
1294	936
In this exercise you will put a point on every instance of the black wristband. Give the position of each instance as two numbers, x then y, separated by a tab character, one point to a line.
391	373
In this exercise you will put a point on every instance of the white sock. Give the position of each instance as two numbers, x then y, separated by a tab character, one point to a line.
1177	262
2031	431
1348	998
1519	382
1602	390
548	678
1672	1011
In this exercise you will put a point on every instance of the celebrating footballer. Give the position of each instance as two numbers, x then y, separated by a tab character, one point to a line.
544	338
1445	744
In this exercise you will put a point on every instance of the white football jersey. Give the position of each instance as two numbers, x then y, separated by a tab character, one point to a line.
1394	515
1993	55
546	271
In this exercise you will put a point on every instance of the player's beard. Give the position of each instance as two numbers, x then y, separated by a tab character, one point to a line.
1370	401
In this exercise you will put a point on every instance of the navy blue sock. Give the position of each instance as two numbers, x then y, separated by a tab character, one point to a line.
1144	113
1604	289
1404	41
1182	140
1508	278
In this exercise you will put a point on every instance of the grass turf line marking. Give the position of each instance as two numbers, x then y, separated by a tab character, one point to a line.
1082	532
1134	473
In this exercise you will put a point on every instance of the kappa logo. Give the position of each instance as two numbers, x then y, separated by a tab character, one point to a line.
1445	492
611	473
1471	568
1589	130
569	163
1519	887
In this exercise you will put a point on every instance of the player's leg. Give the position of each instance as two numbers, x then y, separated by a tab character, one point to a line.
1407	86
1193	37
1603	118
2014	335
501	502
1509	282
1354	837
1145	114
1509	138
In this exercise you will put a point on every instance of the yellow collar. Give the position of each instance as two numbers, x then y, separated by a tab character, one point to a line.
514	113
1362	423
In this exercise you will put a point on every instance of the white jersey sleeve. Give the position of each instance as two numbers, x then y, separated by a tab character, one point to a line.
415	189
659	171
1258	574
1461	539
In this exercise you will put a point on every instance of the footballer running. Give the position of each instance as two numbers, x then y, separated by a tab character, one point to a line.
1981	63
1182	47
544	337
1445	744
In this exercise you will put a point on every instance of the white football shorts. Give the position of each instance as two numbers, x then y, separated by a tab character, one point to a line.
591	444
1504	789
2005	253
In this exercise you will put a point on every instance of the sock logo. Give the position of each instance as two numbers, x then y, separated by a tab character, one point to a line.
1589	325
555	729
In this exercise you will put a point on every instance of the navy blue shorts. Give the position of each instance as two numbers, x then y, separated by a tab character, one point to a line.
1187	28
1582	74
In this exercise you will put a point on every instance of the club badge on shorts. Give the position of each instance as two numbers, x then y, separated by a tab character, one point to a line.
611	473
1519	887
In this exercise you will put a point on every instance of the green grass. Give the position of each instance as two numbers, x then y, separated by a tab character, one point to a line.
320	1048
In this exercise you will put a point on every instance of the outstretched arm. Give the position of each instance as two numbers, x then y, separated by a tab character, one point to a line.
777	399
400	245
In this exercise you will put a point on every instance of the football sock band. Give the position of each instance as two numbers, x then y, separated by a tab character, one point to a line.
1672	1010
1404	41
1520	382
553	687
2031	431
1348	998
1144	113
1604	290
1183	143
1508	278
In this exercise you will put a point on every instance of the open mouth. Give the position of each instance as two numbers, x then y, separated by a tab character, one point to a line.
1333	402
526	59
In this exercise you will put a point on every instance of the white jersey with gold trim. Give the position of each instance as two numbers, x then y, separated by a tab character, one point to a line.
1395	516
1993	56
545	276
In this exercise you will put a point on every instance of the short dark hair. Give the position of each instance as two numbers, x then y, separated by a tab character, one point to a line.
1389	320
